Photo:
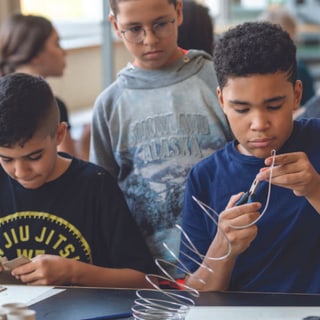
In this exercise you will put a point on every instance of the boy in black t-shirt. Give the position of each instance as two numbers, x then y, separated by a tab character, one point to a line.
66	215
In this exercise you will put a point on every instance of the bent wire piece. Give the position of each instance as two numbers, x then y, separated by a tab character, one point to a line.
204	207
251	193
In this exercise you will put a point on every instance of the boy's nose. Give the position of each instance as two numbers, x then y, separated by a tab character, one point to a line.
149	36
260	122
21	170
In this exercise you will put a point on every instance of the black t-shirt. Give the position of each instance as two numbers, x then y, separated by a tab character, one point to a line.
81	215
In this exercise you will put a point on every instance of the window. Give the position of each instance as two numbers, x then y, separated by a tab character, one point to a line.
76	10
78	21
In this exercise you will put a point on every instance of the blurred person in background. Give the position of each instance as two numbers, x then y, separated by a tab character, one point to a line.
277	14
196	30
30	44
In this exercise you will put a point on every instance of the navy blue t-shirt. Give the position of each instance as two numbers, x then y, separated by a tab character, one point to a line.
284	255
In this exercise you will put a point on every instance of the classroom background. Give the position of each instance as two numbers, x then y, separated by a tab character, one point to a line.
95	54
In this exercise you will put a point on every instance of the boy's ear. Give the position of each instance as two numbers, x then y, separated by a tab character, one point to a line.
298	88
179	10
115	26
220	97
61	132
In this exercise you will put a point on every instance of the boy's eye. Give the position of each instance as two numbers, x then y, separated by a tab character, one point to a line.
136	29
241	110
273	108
4	159
159	25
35	157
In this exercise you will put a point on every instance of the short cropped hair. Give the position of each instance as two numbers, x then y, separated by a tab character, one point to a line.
27	108
254	48
114	5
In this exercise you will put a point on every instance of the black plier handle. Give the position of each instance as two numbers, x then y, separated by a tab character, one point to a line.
249	196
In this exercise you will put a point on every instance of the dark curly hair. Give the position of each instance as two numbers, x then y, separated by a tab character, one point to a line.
27	107
254	48
114	5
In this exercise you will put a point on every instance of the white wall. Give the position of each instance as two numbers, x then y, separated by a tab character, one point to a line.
83	79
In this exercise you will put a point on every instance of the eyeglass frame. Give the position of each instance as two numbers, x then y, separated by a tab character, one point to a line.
152	29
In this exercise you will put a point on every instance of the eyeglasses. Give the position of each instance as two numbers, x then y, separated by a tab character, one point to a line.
161	30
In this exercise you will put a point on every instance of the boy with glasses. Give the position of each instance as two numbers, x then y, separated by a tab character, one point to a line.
158	118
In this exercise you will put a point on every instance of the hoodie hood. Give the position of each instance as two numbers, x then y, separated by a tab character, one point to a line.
136	78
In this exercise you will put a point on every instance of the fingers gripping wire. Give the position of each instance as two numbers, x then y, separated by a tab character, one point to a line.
205	209
247	197
187	242
252	191
190	245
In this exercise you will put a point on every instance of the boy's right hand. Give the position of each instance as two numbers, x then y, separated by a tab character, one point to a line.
228	237
232	224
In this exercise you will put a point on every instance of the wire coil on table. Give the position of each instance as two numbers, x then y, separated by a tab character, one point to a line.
159	303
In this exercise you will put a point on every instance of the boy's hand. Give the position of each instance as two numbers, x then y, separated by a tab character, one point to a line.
293	171
43	270
237	228
231	222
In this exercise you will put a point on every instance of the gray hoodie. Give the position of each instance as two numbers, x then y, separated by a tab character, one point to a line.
149	128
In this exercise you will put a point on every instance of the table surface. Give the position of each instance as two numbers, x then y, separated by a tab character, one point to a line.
84	303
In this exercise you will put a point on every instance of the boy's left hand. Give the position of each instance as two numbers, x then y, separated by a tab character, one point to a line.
294	171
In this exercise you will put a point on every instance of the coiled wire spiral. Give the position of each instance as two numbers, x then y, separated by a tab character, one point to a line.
159	303
163	304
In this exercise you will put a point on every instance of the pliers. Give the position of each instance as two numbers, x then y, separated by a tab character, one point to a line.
249	196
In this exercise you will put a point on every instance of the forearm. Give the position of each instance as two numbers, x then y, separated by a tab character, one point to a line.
216	280
228	243
217	273
90	275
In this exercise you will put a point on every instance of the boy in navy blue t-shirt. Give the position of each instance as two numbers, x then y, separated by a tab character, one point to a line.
258	92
